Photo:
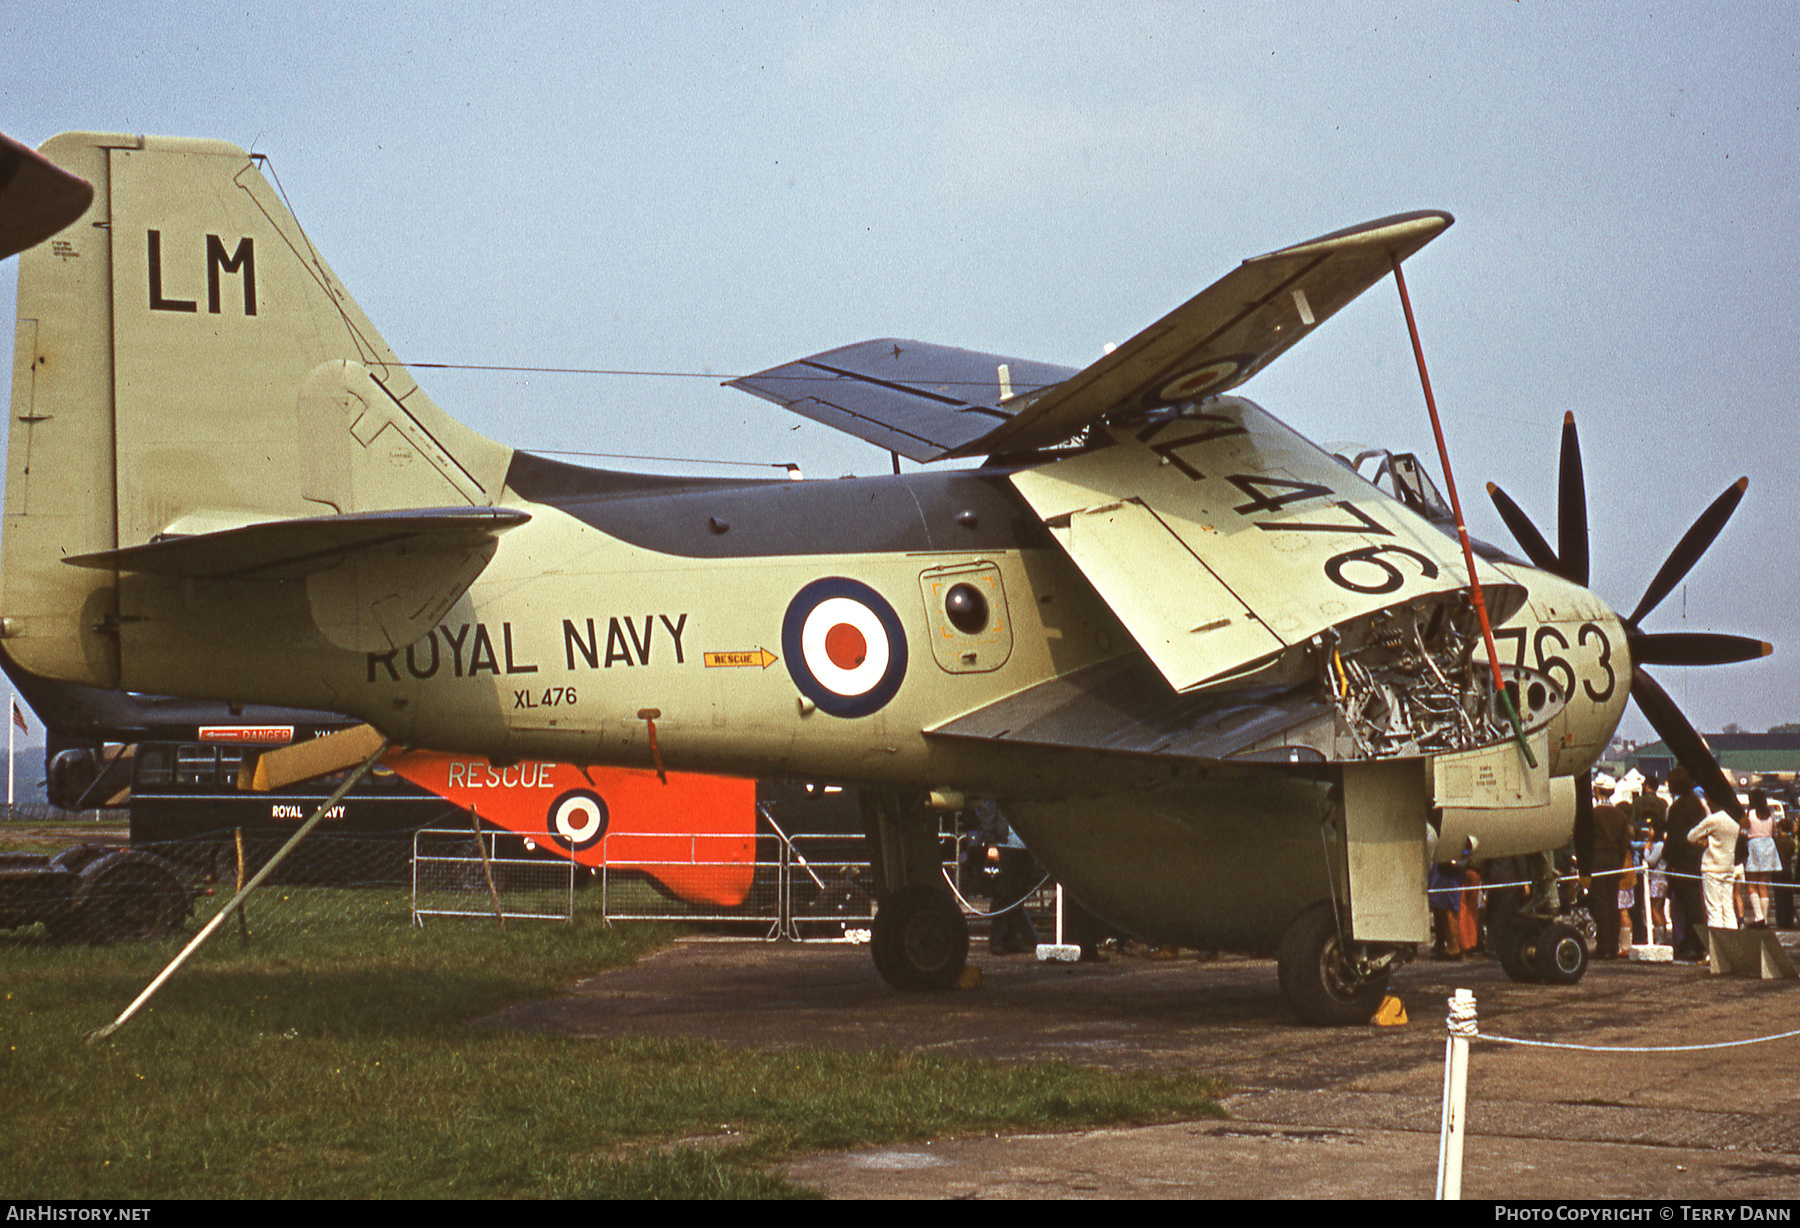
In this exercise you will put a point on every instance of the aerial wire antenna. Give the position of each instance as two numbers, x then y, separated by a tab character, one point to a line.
1007	390
1462	530
791	468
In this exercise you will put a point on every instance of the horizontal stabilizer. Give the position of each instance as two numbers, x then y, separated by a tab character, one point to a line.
37	197
922	401
289	549
375	581
186	364
1222	336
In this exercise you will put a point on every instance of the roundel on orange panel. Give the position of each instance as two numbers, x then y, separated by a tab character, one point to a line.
577	820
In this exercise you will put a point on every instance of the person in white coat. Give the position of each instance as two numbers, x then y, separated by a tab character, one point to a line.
1717	833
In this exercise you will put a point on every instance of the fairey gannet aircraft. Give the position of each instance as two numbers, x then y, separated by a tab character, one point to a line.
1231	693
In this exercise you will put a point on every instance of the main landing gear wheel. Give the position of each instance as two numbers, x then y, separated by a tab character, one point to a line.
921	941
1561	955
1324	983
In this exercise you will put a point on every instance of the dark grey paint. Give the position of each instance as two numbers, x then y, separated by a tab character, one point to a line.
920	400
957	509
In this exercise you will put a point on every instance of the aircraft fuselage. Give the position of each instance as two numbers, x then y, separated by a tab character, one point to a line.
680	599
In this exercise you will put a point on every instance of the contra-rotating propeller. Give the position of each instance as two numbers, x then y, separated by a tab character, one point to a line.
1570	561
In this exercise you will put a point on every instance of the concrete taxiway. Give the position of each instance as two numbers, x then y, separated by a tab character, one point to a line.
1341	1113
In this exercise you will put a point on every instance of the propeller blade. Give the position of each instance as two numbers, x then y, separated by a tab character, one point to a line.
1681	737
1524	532
1688	550
1571	508
1694	648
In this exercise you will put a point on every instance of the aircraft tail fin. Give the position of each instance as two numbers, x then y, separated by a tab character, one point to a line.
185	362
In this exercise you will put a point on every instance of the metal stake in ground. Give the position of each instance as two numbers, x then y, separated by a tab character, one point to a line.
237	884
487	868
350	782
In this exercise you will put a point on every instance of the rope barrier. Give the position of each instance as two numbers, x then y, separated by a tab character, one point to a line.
1462	1021
998	912
1461	1026
1557	1044
1597	874
1575	878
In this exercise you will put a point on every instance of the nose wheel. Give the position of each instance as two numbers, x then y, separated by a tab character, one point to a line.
1552	954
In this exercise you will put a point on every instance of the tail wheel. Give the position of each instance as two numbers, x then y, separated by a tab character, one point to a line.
921	941
1326	981
1561	957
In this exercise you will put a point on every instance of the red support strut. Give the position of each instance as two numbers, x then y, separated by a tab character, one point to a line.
1462	530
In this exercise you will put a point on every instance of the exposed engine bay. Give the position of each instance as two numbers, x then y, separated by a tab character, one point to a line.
1407	681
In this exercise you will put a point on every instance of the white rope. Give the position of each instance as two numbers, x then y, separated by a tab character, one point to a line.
1570	878
999	912
1554	1044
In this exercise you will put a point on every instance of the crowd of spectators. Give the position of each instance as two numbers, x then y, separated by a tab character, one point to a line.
1702	869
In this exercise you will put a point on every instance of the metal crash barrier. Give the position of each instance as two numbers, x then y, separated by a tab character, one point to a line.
501	874
827	890
801	886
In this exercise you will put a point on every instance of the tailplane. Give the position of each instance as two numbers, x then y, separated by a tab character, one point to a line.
185	363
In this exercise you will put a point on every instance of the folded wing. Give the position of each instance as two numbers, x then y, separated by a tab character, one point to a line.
1222	539
1123	706
922	401
1223	335
927	402
375	581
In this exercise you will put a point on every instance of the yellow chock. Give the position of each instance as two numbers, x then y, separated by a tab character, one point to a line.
1390	1014
970	978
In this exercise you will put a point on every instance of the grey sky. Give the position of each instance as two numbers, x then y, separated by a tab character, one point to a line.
700	188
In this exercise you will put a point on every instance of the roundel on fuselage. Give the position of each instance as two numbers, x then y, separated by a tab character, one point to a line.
844	646
577	820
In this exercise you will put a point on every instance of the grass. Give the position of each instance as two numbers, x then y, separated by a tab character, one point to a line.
25	836
342	1064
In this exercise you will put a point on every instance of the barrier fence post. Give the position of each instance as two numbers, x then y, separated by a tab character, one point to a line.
1461	1025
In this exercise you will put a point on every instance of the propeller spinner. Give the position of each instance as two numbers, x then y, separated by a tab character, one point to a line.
1570	561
